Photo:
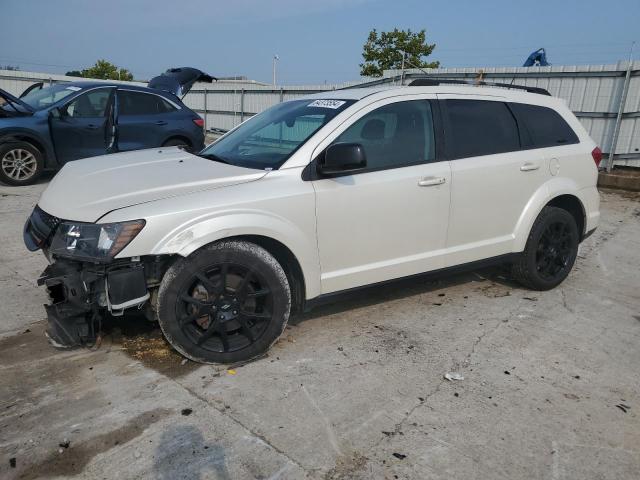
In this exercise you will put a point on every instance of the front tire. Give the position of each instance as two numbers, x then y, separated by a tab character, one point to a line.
228	302
550	251
20	163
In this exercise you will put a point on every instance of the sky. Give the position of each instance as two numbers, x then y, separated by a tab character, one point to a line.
317	41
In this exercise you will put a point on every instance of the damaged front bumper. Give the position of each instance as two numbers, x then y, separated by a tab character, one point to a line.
81	293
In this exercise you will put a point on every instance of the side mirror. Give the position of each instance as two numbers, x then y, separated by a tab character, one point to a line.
342	158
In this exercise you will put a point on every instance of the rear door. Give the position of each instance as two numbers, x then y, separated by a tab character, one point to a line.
143	119
493	176
83	126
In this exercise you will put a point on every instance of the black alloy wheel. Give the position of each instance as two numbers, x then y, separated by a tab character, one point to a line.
554	250
226	303
550	251
225	308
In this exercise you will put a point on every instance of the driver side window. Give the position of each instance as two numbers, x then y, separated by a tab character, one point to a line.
394	135
92	104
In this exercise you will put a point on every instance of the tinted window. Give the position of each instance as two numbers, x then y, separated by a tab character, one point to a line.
139	103
479	127
545	127
394	135
92	104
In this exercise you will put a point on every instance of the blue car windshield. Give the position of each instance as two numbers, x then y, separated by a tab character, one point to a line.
39	99
267	140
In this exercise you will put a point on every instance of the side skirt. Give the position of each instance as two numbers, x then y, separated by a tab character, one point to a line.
441	272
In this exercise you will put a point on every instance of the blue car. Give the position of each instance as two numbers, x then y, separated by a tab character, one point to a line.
49	126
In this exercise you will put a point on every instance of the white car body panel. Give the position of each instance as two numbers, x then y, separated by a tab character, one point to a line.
85	190
348	231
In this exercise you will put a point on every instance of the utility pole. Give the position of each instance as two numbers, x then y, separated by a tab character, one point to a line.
623	100
275	59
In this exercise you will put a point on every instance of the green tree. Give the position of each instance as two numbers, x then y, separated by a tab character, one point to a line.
383	51
107	71
74	73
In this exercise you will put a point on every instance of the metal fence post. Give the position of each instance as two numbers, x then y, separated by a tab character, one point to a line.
242	105
623	100
205	109
281	94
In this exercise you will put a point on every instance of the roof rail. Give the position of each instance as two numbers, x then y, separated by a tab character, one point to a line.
432	82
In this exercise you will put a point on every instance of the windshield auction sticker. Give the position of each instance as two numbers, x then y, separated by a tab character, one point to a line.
333	104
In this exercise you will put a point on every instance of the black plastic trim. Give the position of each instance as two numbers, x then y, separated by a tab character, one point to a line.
344	294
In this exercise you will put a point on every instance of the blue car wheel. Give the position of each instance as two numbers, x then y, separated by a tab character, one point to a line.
20	163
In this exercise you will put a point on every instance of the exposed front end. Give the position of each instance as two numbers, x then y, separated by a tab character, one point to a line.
84	280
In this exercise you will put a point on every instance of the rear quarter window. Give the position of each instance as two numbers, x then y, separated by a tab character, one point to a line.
544	126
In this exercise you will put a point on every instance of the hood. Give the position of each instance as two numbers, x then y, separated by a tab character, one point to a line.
179	80
12	105
85	190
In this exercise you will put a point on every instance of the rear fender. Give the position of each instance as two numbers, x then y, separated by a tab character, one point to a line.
547	192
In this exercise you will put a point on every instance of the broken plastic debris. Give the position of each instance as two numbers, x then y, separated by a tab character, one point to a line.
231	372
184	361
453	376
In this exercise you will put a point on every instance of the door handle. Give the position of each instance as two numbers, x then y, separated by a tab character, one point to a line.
528	167
431	181
161	122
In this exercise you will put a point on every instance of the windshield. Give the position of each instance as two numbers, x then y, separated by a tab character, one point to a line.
39	99
267	140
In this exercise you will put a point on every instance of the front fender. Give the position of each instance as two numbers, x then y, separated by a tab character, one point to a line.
200	231
547	192
39	139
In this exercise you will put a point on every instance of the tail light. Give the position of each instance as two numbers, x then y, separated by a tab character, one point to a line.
199	122
597	156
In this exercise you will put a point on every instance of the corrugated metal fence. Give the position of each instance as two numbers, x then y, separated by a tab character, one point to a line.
593	92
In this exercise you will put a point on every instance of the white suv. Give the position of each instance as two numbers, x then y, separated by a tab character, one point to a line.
311	197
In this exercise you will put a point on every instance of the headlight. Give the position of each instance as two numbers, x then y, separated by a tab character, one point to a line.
93	241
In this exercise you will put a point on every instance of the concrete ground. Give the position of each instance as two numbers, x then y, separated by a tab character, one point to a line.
355	389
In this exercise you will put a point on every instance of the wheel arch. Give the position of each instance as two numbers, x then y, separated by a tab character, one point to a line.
39	144
561	193
288	242
289	263
180	137
574	206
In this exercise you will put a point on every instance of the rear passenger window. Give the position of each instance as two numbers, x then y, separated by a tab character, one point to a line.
139	103
479	127
545	127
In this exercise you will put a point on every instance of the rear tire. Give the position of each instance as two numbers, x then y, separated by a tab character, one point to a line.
20	163
228	302
550	251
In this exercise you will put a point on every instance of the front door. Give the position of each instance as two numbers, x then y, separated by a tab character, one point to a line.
82	128
389	220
